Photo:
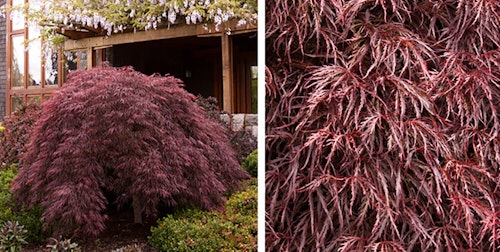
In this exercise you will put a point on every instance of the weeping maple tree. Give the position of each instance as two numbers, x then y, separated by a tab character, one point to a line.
119	132
383	125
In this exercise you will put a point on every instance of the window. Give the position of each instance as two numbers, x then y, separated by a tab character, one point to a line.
17	18
101	55
17	61
16	101
34	58
33	74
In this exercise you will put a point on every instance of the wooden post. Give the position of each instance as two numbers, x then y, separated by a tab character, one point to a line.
90	57
227	73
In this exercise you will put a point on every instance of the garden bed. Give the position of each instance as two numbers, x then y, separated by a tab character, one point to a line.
120	232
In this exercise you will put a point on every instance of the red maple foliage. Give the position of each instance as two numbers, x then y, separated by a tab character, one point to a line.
138	136
15	136
383	125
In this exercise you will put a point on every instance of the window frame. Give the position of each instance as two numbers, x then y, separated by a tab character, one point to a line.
26	92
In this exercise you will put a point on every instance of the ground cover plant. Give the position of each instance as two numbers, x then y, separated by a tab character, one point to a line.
12	236
383	125
116	136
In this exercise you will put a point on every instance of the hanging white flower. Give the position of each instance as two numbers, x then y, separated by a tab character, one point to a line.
171	16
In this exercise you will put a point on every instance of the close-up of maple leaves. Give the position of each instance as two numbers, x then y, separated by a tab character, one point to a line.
382	125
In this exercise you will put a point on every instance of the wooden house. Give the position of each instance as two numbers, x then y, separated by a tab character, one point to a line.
212	61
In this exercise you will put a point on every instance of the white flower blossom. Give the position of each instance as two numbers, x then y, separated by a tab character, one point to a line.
217	20
96	20
193	18
241	22
171	16
196	16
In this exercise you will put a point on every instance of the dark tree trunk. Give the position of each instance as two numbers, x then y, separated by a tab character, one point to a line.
137	210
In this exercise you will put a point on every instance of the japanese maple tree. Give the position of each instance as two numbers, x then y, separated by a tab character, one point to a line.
141	138
383	125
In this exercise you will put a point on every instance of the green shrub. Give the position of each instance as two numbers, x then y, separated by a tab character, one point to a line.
7	173
251	163
196	230
30	219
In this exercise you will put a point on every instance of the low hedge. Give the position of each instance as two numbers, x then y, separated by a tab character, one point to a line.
235	229
30	219
251	163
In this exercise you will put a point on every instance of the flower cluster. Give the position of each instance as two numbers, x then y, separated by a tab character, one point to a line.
115	16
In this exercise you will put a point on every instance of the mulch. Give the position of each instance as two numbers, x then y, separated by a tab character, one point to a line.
120	231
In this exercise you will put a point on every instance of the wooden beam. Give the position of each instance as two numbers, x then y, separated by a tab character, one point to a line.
227	73
75	35
97	31
174	31
32	91
140	36
231	27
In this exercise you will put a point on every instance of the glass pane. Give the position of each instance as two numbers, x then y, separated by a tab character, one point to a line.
17	64
82	59
70	59
34	58
108	55
16	16
102	56
254	89
16	102
97	60
34	99
34	4
46	97
51	70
